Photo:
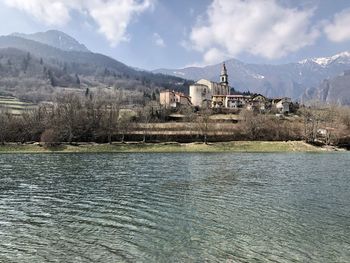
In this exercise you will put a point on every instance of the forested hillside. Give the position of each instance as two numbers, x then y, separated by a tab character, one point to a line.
36	70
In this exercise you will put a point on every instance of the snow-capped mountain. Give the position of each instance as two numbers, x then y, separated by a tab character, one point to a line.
341	58
272	80
55	39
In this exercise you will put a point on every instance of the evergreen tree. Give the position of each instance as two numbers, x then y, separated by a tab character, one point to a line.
154	97
65	68
87	92
77	79
51	78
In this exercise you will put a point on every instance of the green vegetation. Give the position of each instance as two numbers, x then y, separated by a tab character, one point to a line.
236	146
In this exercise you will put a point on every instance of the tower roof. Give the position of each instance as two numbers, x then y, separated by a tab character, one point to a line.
223	70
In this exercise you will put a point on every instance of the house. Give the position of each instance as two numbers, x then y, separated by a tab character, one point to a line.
282	105
218	101
259	103
237	101
173	99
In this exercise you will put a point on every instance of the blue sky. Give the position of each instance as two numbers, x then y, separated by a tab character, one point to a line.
152	34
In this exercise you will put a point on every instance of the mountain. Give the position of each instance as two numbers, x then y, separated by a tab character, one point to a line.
333	91
27	64
77	62
55	39
289	80
341	58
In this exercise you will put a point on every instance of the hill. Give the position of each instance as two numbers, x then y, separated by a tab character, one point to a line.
25	64
55	39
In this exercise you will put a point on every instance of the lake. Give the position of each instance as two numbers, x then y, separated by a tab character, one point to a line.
239	207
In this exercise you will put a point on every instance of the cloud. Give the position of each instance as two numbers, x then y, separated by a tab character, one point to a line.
158	40
262	28
50	12
111	16
214	55
338	30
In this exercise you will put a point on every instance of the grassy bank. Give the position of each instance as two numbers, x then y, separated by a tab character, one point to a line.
236	146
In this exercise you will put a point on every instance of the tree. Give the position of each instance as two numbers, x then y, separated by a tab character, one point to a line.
51	77
4	128
154	97
145	115
112	105
252	124
315	117
203	122
87	92
25	62
124	123
77	79
50	138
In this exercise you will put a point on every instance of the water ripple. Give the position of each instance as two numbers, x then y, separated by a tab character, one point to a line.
175	208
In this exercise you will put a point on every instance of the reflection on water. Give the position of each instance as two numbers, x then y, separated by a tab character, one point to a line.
175	208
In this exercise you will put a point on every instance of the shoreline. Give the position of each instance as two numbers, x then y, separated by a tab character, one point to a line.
172	147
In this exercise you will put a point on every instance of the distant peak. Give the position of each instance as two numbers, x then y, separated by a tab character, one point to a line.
55	38
325	61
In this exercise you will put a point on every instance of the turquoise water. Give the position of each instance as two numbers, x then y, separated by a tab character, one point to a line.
175	207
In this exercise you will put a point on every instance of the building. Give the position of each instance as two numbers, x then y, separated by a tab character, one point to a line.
237	101
204	92
208	94
173	99
200	95
259	103
282	105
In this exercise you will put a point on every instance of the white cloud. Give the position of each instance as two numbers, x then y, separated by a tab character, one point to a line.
338	30
50	12
262	28
158	40
214	55
111	16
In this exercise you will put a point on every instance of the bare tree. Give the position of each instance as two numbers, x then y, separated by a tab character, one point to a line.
4	127
203	122
146	114
112	109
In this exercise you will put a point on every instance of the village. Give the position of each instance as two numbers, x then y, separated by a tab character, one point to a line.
211	112
208	94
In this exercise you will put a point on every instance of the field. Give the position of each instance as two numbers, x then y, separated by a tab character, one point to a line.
236	146
14	106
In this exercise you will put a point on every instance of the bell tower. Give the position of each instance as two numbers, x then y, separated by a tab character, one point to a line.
223	75
225	89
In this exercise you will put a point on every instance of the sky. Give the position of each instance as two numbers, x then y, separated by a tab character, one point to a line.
152	34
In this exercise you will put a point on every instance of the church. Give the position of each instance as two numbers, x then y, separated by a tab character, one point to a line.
203	92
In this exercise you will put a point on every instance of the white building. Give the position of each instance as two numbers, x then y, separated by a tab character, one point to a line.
283	105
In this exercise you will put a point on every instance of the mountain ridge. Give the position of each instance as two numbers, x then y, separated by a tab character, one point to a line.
55	67
56	39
